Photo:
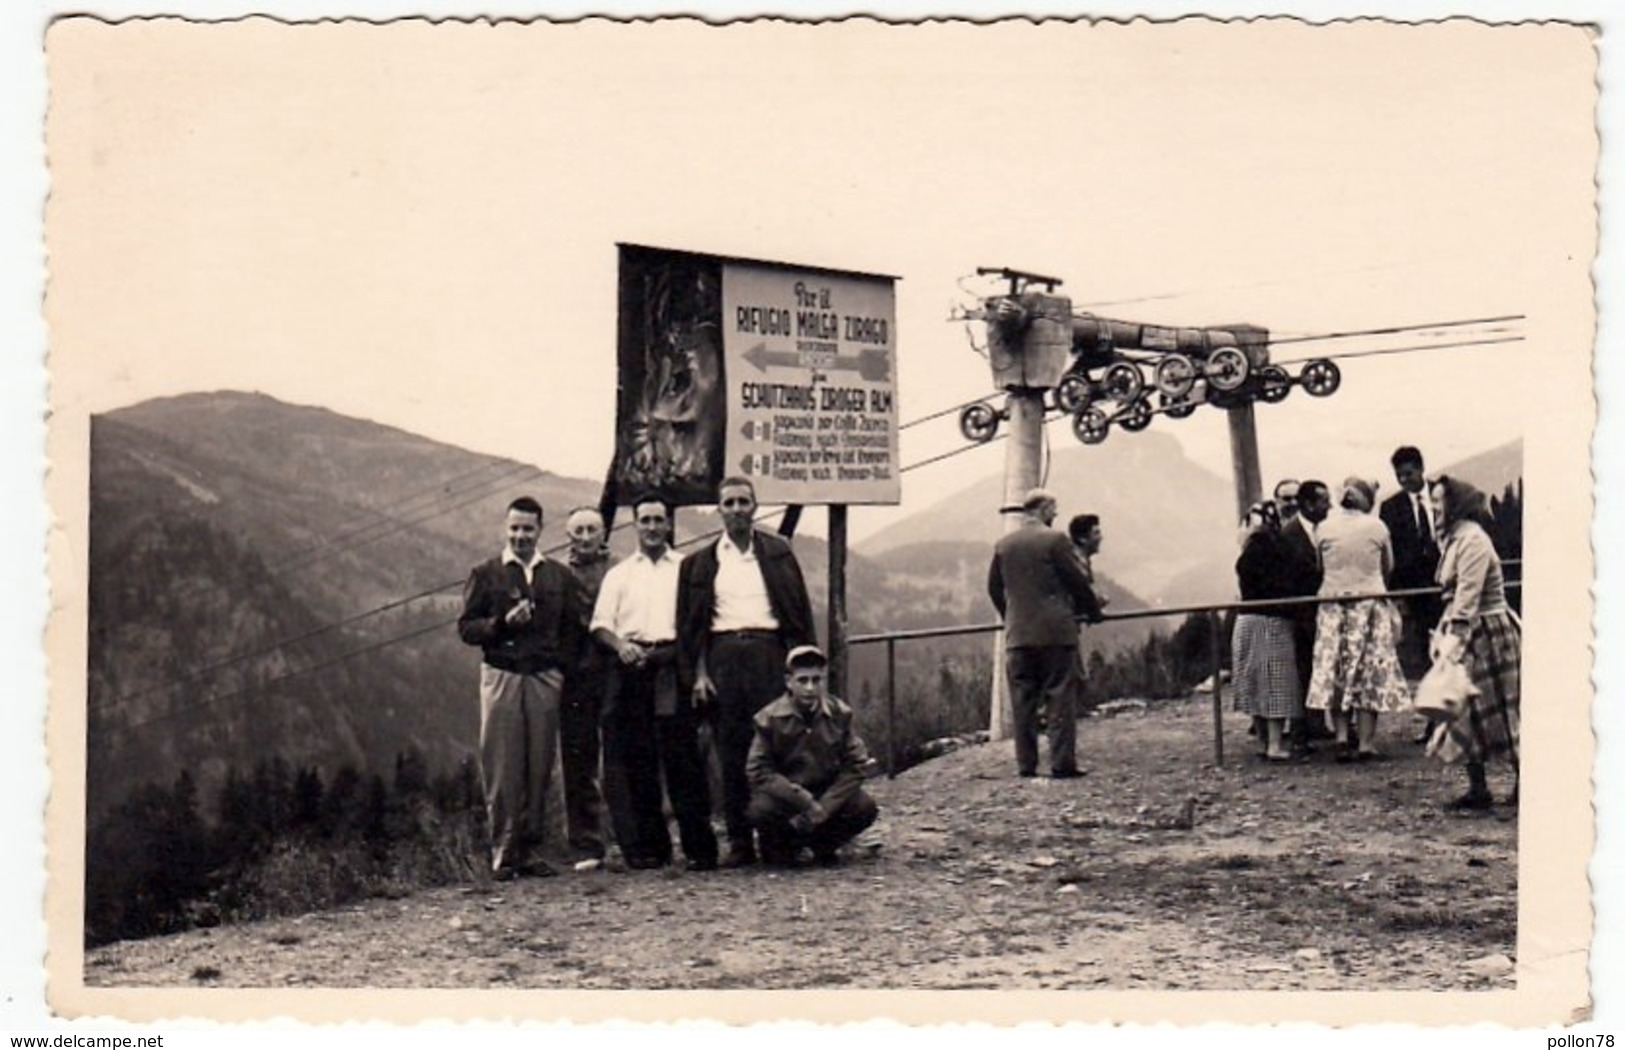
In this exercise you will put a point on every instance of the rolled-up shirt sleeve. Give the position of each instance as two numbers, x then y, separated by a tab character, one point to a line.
606	610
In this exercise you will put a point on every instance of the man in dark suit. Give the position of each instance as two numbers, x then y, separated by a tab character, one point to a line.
741	607
1303	507
1416	558
1039	586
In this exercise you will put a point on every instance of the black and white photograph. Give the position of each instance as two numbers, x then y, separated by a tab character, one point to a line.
1060	507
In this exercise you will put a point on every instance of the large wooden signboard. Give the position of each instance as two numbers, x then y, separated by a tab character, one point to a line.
780	373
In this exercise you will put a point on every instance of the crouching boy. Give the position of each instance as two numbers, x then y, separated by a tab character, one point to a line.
806	768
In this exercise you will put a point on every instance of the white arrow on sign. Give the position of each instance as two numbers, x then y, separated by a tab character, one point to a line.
871	365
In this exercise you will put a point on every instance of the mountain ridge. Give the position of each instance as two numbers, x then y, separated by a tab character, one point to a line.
289	575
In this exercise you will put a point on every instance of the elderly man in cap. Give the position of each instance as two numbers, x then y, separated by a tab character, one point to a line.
806	768
1040	588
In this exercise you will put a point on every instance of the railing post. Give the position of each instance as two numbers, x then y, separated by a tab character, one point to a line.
1218	687
891	708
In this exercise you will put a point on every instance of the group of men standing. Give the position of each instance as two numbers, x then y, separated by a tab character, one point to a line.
638	654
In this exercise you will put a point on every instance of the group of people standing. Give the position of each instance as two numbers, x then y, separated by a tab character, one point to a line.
621	663
1328	669
635	656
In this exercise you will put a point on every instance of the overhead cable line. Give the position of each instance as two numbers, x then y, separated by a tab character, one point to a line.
341	657
486	490
400	602
402	511
433	493
215	698
326	628
1394	330
1404	349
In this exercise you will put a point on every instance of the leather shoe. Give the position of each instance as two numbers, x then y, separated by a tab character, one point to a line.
737	857
1066	774
702	864
1473	801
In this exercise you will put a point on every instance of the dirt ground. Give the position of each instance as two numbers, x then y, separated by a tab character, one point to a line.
1155	871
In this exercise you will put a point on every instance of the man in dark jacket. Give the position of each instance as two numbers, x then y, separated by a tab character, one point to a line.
1301	576
1416	558
741	607
1039	586
806	768
525	614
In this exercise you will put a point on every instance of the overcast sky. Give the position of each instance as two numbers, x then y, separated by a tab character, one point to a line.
417	225
377	228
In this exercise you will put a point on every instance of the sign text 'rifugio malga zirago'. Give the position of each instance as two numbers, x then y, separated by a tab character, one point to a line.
784	374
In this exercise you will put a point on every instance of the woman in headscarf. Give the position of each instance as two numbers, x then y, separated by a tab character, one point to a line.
1262	654
1479	629
1356	672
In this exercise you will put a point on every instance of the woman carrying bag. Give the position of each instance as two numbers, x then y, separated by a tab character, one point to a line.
1480	630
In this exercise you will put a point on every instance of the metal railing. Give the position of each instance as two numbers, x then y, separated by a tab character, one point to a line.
1214	611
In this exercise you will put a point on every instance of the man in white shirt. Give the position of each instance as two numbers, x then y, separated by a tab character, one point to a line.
741	607
649	724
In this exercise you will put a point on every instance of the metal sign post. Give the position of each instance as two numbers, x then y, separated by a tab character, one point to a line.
836	634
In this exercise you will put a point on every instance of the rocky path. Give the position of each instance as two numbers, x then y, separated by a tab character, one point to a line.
1155	871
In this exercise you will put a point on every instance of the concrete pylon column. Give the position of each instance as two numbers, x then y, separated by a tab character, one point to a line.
1249	477
1023	462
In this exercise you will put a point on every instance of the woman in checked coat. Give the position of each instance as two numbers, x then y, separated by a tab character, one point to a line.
1478	628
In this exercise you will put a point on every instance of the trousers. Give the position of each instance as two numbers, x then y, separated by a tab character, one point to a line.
580	750
651	749
771	817
748	671
1044	678
519	731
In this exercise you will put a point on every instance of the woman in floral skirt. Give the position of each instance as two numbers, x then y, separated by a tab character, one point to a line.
1356	672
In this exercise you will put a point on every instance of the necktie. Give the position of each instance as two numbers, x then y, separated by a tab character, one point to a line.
1424	527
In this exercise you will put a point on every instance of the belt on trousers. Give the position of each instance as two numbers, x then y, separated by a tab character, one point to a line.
748	635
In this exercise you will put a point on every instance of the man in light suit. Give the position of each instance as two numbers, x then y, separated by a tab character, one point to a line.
1039	586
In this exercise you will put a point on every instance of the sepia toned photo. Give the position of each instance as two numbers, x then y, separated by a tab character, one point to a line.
1026	520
